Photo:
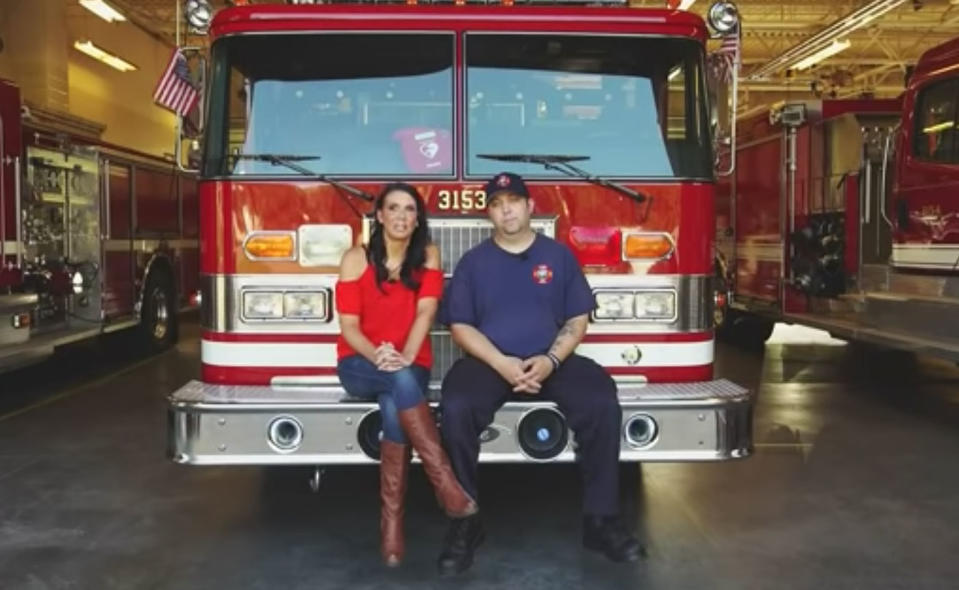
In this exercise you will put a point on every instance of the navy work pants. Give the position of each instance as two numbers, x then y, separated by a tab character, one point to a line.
473	392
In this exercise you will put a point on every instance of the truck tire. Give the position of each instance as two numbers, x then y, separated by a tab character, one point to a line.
745	330
158	316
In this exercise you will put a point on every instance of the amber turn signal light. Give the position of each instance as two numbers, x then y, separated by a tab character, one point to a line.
647	246
271	246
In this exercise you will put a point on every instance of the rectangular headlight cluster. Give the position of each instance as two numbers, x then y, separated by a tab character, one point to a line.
635	305
290	305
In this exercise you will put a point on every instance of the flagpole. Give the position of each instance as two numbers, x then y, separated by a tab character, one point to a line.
177	4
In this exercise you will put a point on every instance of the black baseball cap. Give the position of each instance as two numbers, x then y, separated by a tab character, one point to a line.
506	182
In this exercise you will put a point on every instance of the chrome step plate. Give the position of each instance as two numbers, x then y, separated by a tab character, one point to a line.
231	425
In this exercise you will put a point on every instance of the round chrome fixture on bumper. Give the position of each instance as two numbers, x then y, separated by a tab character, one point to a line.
285	434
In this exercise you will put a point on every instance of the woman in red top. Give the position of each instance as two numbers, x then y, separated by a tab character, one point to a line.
386	299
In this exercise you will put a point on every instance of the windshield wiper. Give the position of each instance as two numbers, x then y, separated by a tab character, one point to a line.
562	164
290	161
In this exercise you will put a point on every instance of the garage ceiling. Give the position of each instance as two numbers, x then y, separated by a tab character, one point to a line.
875	64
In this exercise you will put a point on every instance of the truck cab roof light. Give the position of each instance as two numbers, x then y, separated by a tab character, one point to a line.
723	17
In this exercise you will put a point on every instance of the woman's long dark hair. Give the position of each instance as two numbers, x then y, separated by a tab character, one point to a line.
415	257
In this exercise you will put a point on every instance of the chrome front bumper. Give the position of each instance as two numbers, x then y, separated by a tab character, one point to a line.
262	425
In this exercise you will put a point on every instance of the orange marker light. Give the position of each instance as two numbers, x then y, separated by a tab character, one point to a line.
270	245
647	246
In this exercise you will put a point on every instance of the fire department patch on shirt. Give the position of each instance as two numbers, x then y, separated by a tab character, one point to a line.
542	274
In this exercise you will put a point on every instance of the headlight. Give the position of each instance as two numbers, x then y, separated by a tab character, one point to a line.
199	13
324	244
723	17
261	305
305	305
656	305
612	305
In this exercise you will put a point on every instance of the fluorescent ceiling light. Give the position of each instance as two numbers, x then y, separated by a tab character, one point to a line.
674	72
685	4
938	127
105	56
824	53
856	19
103	10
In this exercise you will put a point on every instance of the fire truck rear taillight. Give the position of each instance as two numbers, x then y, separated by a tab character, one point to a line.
271	245
596	246
647	246
20	320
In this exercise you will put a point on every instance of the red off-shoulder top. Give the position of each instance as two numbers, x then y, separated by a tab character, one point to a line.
387	315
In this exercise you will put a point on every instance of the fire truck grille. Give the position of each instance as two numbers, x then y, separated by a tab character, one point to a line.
445	353
454	236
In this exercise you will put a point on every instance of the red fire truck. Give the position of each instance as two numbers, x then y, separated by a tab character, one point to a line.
94	238
844	215
312	108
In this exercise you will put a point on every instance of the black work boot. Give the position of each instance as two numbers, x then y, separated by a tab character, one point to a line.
609	536
462	538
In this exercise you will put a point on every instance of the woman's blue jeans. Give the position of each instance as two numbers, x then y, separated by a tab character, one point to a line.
395	391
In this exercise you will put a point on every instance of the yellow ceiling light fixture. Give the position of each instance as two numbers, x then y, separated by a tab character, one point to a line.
104	56
938	127
826	37
824	53
103	10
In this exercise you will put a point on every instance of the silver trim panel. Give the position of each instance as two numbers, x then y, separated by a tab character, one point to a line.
227	425
221	304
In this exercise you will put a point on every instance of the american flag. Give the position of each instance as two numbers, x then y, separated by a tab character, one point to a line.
723	61
175	91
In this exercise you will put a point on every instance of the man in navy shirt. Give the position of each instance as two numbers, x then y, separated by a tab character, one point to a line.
518	305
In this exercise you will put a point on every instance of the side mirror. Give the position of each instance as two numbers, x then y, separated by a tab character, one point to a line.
189	129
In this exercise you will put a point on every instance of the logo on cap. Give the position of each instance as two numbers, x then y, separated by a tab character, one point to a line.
542	274
503	180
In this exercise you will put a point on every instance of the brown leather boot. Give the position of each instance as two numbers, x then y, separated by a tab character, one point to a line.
420	429
394	469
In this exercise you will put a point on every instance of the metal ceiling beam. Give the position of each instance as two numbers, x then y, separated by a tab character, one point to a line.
882	60
947	27
847	24
804	86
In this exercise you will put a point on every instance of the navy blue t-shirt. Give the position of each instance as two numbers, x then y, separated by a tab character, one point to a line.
519	301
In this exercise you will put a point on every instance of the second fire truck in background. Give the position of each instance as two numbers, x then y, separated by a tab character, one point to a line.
844	215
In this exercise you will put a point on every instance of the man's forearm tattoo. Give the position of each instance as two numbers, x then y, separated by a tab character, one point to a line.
567	331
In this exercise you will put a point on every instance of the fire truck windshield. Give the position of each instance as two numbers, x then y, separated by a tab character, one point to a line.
368	103
563	165
634	105
381	104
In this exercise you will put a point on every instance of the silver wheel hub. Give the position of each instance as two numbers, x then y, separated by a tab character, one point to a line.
161	314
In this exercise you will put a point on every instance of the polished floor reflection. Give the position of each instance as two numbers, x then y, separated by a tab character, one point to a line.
853	485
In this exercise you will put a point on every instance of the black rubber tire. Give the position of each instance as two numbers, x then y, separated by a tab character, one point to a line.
159	328
727	330
746	330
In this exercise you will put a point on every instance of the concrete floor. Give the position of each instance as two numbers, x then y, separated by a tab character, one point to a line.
853	485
